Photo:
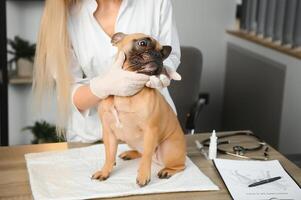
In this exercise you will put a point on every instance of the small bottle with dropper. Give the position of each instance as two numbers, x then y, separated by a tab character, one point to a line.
213	146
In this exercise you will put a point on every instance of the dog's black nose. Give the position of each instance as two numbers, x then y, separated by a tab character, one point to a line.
155	54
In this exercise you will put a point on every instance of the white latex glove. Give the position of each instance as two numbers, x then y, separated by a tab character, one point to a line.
118	81
163	80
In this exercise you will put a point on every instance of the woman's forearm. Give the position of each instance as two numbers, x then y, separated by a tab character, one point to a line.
84	99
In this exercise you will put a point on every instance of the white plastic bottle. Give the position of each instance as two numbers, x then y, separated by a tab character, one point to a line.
213	146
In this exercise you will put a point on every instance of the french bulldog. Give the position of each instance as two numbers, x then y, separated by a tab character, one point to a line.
145	121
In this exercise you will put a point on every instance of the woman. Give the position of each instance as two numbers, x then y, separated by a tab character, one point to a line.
74	54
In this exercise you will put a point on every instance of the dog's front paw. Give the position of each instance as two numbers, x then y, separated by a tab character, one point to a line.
143	179
100	175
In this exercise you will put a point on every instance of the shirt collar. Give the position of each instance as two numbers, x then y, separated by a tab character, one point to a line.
92	5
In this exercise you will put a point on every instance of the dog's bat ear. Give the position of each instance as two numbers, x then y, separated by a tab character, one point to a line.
117	37
165	51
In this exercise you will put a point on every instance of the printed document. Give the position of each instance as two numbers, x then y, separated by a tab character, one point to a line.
239	174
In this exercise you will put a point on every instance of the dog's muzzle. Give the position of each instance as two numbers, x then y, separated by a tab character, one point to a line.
148	62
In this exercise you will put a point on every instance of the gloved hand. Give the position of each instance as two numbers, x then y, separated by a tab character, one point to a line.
163	80
118	81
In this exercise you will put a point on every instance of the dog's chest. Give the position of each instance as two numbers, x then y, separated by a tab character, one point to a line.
127	126
129	116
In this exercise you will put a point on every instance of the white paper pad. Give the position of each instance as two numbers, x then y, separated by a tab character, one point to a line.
66	175
239	174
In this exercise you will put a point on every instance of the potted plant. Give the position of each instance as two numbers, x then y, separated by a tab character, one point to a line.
43	133
23	55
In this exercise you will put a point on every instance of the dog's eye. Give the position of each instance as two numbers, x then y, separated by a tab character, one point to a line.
142	43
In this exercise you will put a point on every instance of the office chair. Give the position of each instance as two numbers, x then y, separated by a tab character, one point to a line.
185	93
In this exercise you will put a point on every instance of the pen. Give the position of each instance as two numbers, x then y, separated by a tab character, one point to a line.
265	181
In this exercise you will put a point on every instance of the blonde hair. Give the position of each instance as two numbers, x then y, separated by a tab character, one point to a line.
51	67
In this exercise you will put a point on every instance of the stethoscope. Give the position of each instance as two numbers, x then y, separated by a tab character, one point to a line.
238	150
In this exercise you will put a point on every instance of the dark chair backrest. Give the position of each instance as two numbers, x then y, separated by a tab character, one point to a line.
185	92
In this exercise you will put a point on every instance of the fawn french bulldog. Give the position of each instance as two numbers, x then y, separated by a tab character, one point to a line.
144	121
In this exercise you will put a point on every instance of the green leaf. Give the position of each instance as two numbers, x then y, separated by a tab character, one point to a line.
21	48
43	131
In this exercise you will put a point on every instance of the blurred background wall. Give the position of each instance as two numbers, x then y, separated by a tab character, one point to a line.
23	19
202	24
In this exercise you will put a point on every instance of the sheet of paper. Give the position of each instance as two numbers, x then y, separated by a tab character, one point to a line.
239	174
66	175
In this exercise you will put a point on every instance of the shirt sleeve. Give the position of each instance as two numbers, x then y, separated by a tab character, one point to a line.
78	80
168	34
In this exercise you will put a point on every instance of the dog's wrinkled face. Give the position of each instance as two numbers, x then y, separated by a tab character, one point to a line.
143	53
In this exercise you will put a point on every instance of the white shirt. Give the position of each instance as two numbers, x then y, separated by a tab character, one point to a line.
93	52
